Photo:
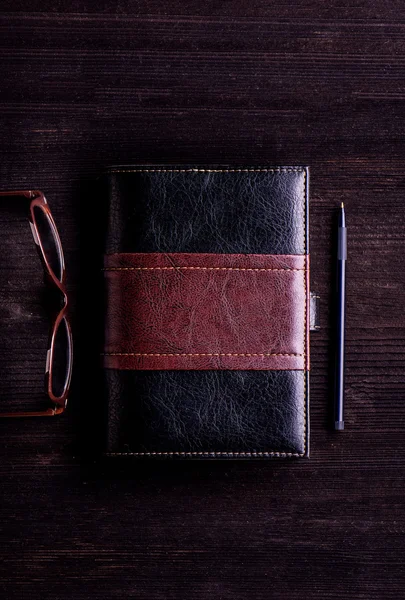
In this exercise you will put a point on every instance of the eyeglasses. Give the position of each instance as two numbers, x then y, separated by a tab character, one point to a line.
59	357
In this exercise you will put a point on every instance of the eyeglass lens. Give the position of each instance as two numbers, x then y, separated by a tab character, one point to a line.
61	359
49	241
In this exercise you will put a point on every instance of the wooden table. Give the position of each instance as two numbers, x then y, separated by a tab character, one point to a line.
315	83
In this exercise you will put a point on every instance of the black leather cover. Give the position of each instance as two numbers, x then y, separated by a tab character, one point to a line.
207	414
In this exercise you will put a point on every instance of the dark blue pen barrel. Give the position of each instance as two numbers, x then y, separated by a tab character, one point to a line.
340	355
342	245
340	326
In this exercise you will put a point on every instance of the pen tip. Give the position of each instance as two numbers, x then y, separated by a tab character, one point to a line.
342	205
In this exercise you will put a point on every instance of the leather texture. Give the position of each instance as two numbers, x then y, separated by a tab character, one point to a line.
257	211
205	311
208	413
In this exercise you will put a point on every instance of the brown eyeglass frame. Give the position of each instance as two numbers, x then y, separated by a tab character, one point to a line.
38	200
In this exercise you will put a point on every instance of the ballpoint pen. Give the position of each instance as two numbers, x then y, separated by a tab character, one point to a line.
340	321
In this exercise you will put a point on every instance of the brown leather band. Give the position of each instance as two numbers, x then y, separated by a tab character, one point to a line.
206	311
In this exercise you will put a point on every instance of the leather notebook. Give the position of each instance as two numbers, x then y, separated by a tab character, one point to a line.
206	344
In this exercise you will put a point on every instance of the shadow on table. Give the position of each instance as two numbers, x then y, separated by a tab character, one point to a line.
87	391
88	406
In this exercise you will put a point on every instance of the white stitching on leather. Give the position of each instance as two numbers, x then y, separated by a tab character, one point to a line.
242	170
207	453
196	268
305	314
261	354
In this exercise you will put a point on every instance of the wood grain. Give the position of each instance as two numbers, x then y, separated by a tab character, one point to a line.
90	84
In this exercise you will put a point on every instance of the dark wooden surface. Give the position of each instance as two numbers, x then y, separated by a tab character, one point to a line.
318	83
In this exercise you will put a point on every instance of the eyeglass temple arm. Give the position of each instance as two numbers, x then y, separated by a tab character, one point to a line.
49	412
30	194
